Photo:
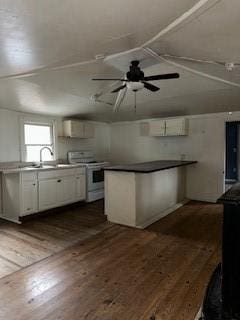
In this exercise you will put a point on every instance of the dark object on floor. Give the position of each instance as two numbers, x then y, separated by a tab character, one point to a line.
212	301
222	300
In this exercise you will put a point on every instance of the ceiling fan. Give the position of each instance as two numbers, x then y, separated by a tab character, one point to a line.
135	79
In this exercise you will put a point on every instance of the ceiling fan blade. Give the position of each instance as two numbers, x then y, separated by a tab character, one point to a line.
105	102
119	88
107	79
162	77
150	86
120	97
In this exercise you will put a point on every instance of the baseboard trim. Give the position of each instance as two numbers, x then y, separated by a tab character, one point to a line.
199	314
204	197
162	214
11	220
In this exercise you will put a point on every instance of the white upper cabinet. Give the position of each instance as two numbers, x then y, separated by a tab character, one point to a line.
78	129
165	128
89	130
157	128
176	127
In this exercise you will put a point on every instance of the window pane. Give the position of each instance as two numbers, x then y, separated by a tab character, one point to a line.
37	134
33	154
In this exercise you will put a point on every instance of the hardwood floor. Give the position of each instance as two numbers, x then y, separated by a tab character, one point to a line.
38	238
122	273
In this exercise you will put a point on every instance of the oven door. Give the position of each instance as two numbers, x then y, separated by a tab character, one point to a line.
95	178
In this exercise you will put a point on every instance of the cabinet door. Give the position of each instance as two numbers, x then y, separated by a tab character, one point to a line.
157	128
176	127
29	197
77	129
65	190
80	188
47	194
88	130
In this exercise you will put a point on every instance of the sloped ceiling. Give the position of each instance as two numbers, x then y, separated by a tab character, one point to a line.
48	55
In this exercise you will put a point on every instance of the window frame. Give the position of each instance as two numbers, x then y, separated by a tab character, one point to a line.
38	122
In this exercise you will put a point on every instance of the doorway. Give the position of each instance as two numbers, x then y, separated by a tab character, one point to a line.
232	161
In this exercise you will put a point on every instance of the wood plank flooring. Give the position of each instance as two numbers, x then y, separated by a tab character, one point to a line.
122	273
38	238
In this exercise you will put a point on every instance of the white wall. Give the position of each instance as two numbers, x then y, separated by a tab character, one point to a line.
10	138
205	143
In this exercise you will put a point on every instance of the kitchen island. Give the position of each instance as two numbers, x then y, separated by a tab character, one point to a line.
139	194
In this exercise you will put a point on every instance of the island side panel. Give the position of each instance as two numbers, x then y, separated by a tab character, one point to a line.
11	197
158	194
120	197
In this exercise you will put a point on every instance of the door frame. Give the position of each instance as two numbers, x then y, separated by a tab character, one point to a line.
225	146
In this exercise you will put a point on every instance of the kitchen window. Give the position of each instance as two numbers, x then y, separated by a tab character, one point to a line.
35	137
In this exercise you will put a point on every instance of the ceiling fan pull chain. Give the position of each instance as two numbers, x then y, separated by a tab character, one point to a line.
135	101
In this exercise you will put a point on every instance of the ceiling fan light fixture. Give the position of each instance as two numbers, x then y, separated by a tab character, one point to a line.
135	86
229	66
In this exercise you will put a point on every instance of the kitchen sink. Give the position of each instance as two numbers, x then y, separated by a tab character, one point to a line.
60	165
57	166
63	165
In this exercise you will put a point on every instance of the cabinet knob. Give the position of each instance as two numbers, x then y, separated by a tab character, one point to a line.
59	180
34	184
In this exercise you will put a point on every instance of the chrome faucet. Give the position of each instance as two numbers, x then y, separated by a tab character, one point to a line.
41	161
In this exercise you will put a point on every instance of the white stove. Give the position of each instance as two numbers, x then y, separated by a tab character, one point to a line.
94	171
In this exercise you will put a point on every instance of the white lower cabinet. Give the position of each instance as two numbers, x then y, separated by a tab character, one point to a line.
47	194
29	197
61	191
27	193
157	128
176	127
80	188
56	192
66	190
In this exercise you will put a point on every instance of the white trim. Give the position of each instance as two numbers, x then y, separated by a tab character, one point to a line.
205	197
178	65
9	219
162	214
45	69
36	120
198	315
199	5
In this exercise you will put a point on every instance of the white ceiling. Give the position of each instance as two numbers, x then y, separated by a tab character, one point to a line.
55	44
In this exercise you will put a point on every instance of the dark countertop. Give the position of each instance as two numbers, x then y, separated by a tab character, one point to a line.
148	167
232	196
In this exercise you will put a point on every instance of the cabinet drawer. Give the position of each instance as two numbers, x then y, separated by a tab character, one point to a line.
80	171
56	174
28	176
65	172
47	174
